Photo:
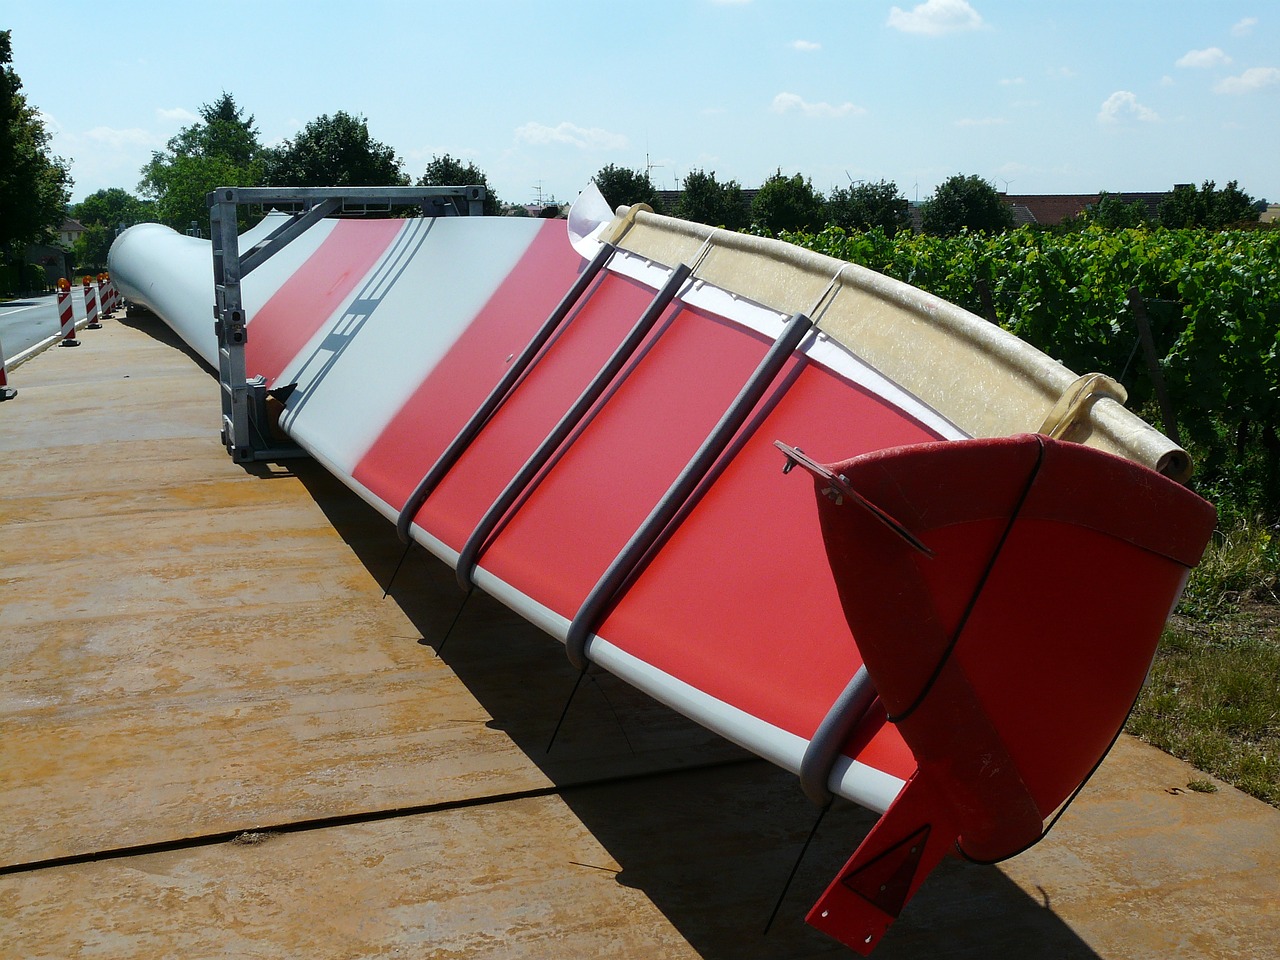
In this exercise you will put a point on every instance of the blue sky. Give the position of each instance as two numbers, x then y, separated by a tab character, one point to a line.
1050	96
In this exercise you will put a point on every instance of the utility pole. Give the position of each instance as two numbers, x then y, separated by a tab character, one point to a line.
541	202
650	167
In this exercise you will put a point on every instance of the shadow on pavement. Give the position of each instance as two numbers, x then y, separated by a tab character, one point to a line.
707	832
161	332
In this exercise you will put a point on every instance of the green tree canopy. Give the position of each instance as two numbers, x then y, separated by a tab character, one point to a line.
102	214
449	171
788	203
333	151
220	150
864	206
965	202
1114	213
1207	207
34	185
706	200
112	208
89	252
622	185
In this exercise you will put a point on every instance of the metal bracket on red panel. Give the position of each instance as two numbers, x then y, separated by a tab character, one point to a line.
840	488
498	395
469	555
682	488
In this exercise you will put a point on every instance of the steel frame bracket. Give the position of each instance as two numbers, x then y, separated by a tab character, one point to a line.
245	431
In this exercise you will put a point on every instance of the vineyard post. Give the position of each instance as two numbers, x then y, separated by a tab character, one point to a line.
988	304
1153	364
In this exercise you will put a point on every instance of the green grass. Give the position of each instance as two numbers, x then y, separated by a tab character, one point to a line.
1241	566
1213	695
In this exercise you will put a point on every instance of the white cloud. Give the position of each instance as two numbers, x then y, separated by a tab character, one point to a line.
1255	78
1123	104
1209	57
585	138
1012	82
935	17
175	115
1244	27
805	46
981	122
786	102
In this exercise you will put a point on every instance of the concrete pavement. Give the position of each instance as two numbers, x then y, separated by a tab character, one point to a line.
217	738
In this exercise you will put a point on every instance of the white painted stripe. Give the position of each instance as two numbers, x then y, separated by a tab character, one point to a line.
395	328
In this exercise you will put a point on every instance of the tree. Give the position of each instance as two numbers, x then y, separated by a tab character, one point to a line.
864	206
965	202
1207	207
222	150
448	171
788	203
113	208
621	185
1114	213
34	185
333	151
102	214
92	246
706	200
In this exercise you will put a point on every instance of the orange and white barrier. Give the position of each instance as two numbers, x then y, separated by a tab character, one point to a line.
66	315
105	303
6	392
91	305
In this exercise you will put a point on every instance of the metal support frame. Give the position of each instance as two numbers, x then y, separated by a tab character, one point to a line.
476	543
611	583
828	740
245	431
498	395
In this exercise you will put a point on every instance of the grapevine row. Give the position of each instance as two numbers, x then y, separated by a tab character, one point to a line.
1213	298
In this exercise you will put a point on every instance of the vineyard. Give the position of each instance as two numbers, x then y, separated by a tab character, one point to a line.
1213	303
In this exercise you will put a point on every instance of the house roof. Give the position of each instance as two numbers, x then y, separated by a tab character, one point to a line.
1049	209
71	225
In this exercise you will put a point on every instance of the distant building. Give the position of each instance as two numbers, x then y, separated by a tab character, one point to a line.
51	256
1050	209
70	232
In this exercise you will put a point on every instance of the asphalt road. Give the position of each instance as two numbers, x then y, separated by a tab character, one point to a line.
25	323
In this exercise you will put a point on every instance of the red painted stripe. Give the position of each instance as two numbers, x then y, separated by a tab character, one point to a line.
441	406
740	602
297	311
534	408
624	460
